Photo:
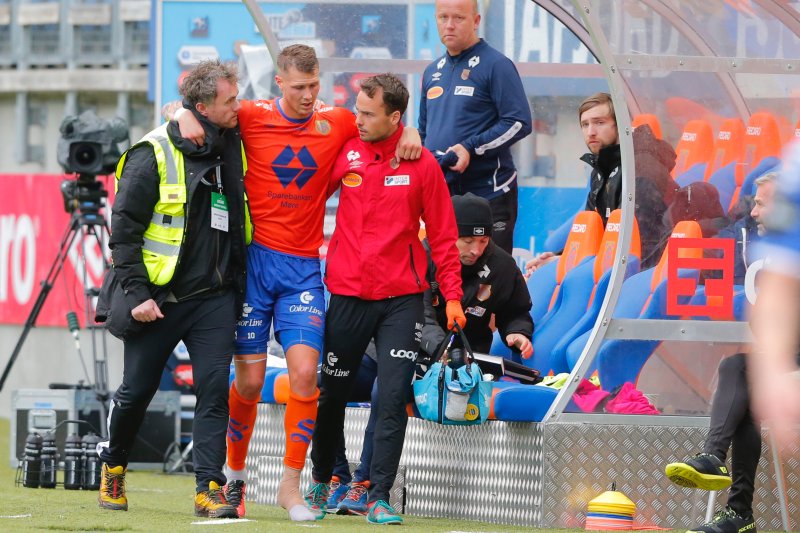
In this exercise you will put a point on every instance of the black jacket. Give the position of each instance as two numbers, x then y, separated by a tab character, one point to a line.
605	194
210	260
493	285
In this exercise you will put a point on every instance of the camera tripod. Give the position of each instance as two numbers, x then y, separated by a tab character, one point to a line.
85	221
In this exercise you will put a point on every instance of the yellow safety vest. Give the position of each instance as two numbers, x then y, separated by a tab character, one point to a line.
164	236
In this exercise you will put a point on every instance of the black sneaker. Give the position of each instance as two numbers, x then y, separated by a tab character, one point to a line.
727	521
703	471
234	492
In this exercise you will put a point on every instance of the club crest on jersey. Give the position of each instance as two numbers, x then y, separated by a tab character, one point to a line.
434	92
323	126
465	74
394	163
392	181
351	179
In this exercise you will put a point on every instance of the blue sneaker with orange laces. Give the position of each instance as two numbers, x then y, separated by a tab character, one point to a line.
355	501
337	492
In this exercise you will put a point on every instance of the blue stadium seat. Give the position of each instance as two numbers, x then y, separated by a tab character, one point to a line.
643	295
695	173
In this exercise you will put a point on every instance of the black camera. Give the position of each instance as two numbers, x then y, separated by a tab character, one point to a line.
89	145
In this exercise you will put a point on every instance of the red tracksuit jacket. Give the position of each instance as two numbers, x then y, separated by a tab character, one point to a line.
375	252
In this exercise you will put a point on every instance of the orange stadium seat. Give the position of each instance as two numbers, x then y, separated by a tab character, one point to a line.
728	147
762	140
695	146
650	120
642	296
582	242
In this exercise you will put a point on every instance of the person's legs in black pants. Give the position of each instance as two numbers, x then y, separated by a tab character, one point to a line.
363	390
365	461
145	355
397	343
504	214
732	425
210	343
349	326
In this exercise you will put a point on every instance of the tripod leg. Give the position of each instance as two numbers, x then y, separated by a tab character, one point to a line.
47	284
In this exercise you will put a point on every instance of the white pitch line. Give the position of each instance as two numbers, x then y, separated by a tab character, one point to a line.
17	516
220	521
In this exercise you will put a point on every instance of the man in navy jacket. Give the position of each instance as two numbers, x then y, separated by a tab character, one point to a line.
473	103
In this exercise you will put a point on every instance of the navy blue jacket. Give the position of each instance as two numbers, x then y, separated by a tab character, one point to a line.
745	233
475	99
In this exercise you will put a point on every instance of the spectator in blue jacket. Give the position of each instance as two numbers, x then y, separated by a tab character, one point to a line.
473	103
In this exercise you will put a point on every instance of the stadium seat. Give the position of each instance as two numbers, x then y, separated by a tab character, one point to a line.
602	277
579	300
650	120
521	403
582	242
768	164
728	148
643	295
762	140
740	304
695	146
268	390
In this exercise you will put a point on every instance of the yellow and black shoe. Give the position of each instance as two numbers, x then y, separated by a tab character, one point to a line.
212	503
112	488
703	471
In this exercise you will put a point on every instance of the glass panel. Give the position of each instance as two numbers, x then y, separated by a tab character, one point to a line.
653	378
696	27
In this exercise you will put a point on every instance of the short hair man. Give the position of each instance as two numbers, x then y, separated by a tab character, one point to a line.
291	145
599	126
493	286
172	191
732	424
473	104
376	275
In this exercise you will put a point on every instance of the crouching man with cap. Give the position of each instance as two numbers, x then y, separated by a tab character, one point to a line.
492	283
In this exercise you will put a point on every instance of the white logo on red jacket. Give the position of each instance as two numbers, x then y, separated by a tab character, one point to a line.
391	181
352	155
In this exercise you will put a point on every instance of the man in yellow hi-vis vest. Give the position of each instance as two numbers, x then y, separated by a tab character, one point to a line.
179	229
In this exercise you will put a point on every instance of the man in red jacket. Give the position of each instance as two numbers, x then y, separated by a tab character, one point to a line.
375	272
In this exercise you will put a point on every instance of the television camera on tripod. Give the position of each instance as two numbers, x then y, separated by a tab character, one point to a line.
89	146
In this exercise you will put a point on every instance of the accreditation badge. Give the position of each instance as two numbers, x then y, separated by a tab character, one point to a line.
219	211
